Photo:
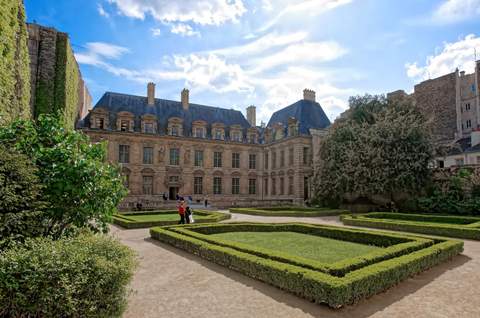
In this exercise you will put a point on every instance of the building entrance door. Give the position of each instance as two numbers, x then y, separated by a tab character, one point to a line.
172	193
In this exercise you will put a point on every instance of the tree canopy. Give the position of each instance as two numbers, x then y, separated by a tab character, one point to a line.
379	147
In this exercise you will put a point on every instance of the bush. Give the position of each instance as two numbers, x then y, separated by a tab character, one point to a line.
423	224
82	276
80	188
312	284
289	211
20	203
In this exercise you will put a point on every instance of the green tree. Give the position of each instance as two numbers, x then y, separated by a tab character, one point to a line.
379	148
20	195
80	188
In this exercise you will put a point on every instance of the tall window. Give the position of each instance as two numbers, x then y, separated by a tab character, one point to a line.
100	123
252	161
252	186
235	160
126	181
282	158
217	185
305	155
147	185
282	186
197	185
198	158
274	186
274	159
265	186
469	123
199	132
235	185
290	185
290	156
174	156
217	159
467	106
266	160
148	128
147	155
124	125
124	153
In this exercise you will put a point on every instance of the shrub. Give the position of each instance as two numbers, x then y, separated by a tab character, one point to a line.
82	276
80	188
289	211
20	205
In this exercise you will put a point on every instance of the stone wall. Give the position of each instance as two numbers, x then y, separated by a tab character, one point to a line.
437	98
57	86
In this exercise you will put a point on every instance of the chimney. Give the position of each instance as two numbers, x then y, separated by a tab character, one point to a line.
475	136
151	94
462	73
309	94
185	99
252	115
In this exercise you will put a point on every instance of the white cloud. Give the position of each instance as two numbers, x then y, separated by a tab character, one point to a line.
452	11
97	51
312	7
184	30
102	11
202	12
156	32
457	54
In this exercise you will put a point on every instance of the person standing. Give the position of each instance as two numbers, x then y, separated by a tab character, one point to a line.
181	212
206	201
188	213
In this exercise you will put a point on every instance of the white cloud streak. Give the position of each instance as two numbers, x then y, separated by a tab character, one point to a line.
184	30
453	11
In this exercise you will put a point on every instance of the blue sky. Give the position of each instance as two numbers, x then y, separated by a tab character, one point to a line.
236	53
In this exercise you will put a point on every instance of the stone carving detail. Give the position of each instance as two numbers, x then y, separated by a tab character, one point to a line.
186	158
161	154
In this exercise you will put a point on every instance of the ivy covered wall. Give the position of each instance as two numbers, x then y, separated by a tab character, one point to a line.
14	62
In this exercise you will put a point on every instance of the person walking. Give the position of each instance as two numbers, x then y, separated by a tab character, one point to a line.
188	213
181	212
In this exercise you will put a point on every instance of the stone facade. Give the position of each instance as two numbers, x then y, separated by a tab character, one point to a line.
230	165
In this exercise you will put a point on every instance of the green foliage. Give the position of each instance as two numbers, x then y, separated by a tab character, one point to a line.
136	220
20	200
358	282
380	148
460	195
82	276
289	211
80	188
14	62
450	226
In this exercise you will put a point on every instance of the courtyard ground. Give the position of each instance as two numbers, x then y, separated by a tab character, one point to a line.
172	283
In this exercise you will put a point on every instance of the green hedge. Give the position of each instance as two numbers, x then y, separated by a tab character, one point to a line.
417	223
312	284
82	276
14	62
120	219
289	211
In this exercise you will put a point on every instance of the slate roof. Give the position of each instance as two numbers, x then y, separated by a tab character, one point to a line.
165	109
308	113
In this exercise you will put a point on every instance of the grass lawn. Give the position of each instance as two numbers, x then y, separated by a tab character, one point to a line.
304	245
160	217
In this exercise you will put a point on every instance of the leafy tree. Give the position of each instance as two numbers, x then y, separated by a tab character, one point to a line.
79	187
20	205
379	148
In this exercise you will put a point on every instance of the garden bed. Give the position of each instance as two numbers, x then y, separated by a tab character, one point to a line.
441	225
341	266
135	220
290	211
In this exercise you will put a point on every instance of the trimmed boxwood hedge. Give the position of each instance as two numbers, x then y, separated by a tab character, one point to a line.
460	226
289	211
120	219
358	282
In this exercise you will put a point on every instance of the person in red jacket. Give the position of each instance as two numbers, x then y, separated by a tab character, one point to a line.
181	212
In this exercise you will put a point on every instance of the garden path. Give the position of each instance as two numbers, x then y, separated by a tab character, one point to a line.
173	283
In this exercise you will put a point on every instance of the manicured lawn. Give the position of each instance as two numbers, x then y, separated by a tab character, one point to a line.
308	246
160	217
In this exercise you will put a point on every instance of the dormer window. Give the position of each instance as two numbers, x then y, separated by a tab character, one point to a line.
174	131
236	136
175	126
100	123
124	125
148	128
199	132
218	134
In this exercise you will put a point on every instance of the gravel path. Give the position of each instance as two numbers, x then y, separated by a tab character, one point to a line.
173	283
